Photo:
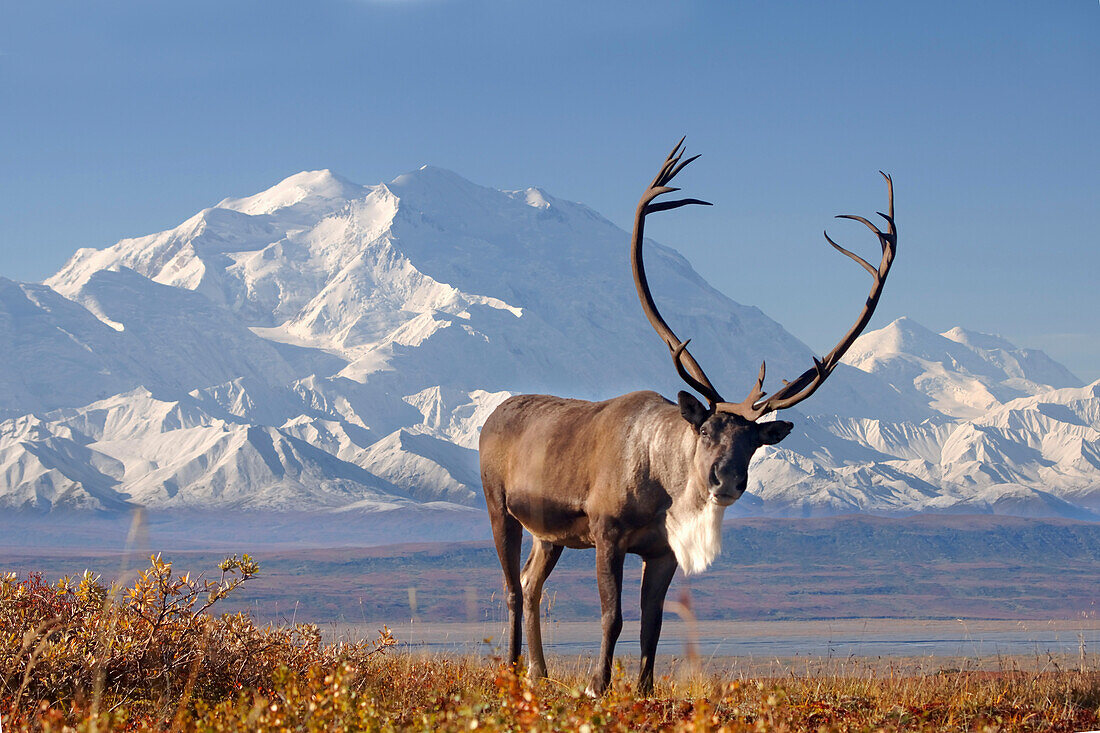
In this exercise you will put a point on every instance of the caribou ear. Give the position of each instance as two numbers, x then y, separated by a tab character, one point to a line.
692	409
774	431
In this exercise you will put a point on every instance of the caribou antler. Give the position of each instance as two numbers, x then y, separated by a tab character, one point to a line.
755	405
685	363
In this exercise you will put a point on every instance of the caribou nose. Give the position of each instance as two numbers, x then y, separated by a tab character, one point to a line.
727	475
728	493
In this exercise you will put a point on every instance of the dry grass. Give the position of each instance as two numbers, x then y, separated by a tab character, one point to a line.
79	656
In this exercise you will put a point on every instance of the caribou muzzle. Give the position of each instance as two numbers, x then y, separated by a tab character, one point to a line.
726	486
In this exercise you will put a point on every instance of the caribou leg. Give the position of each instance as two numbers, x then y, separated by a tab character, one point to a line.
508	533
657	573
540	563
609	580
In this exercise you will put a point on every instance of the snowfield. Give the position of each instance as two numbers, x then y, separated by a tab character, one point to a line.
326	346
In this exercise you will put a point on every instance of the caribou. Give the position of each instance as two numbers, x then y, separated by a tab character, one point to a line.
636	473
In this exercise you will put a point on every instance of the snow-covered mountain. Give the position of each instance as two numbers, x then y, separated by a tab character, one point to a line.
959	373
1014	433
329	346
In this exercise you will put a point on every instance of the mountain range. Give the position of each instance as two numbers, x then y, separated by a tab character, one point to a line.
328	347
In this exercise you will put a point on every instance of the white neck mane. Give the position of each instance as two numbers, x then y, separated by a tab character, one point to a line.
695	535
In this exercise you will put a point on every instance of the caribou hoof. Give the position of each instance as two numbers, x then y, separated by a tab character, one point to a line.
597	687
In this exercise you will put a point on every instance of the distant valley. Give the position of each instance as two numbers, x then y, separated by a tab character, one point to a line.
927	567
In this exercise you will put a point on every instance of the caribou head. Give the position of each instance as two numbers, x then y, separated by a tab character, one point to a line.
725	444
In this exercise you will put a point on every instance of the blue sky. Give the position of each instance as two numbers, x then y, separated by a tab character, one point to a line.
124	118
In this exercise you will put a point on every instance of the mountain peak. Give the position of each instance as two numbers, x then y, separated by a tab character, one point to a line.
435	181
977	339
305	187
899	336
963	373
906	324
432	177
536	197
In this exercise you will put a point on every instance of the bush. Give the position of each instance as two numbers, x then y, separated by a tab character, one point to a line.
148	650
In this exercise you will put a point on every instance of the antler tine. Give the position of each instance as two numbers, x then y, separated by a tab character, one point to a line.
671	160
666	205
890	192
862	221
683	165
757	392
747	408
677	148
752	408
866	265
686	366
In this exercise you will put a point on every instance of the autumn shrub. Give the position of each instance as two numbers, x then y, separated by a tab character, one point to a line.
149	648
